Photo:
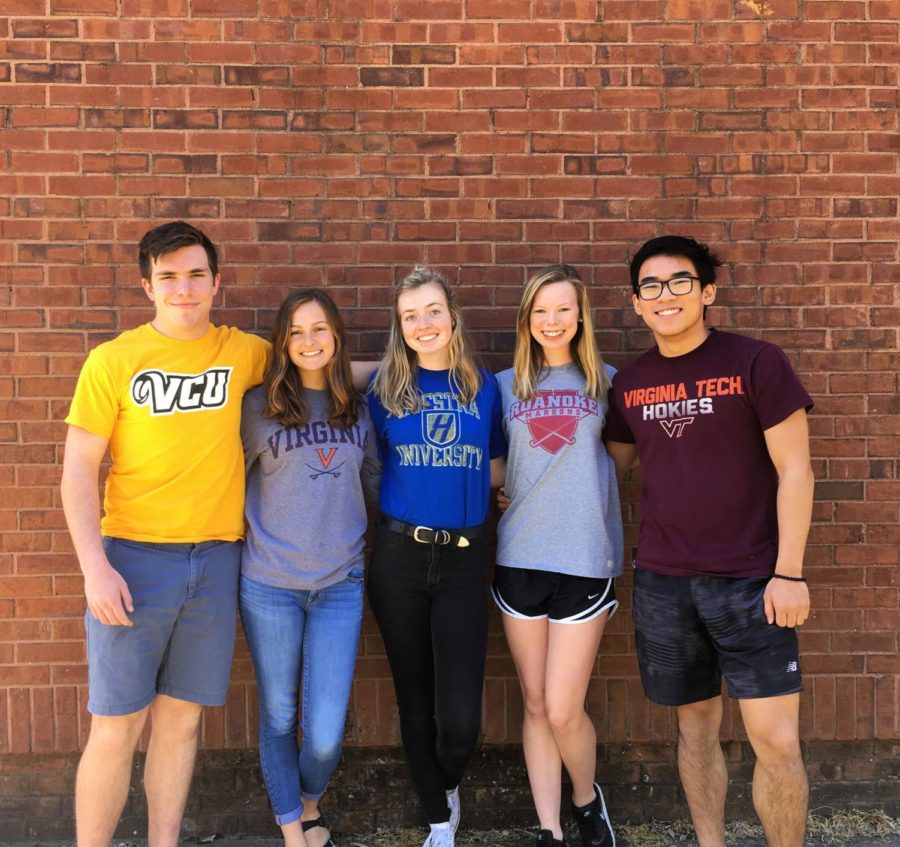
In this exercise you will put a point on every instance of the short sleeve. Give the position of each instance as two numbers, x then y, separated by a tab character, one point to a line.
616	428
378	415
261	351
370	473
498	445
775	389
251	418
95	405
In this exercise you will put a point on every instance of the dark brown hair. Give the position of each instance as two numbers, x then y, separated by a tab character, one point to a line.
167	238
282	383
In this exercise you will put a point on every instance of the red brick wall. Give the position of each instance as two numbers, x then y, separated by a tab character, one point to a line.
337	143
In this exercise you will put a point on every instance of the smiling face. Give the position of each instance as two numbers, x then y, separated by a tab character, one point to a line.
426	324
675	321
310	343
182	288
554	321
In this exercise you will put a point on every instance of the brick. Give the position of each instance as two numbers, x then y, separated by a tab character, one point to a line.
423	54
252	75
42	28
538	133
187	119
392	77
48	72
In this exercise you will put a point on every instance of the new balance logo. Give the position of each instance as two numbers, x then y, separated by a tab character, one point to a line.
167	393
792	667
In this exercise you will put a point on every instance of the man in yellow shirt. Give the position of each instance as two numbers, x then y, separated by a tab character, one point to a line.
161	567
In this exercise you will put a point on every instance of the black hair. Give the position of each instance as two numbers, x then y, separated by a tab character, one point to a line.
167	238
702	258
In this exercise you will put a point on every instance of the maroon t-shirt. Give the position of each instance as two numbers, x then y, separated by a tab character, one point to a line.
708	502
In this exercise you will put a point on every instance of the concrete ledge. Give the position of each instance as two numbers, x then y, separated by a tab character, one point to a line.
371	789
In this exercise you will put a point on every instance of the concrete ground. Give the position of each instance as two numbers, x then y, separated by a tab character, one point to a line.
855	829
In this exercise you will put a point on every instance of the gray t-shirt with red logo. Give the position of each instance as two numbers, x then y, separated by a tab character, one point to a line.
699	420
564	515
307	488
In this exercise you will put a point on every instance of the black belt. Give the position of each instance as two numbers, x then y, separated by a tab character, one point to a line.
429	535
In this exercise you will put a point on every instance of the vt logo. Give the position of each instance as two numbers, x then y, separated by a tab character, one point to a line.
325	457
675	427
440	428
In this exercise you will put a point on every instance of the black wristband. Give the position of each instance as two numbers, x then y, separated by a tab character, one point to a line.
789	578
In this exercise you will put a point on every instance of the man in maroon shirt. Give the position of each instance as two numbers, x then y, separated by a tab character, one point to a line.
718	422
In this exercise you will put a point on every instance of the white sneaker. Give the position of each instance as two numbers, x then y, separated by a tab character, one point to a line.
453	803
440	837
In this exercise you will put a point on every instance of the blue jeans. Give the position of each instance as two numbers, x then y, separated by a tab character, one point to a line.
316	634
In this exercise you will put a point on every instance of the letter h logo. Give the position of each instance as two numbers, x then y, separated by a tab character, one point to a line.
440	428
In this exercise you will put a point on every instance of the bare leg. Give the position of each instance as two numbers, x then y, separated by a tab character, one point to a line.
570	662
104	775
702	768
528	643
319	835
780	789
293	834
174	731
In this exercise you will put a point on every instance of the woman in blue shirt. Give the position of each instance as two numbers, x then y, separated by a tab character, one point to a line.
437	418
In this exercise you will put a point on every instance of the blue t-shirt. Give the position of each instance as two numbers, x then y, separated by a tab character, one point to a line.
437	461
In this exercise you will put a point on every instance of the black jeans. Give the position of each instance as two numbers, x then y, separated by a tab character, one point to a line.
430	603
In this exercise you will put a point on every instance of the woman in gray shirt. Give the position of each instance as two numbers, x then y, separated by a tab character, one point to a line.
559	543
311	464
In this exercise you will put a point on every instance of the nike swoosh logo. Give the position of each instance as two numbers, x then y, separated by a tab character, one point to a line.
592	596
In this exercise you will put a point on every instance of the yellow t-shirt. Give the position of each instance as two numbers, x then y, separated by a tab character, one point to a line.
171	411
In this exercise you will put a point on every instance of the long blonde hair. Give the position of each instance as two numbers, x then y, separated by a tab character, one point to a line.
395	383
529	358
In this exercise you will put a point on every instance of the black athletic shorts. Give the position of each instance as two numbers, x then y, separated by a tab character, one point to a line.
563	598
690	631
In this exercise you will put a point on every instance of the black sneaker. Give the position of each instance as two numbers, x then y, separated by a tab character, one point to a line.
593	822
545	839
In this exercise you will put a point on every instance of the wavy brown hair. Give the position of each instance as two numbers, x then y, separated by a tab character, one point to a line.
284	388
529	357
395	383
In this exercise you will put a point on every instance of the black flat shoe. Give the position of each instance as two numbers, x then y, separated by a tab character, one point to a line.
545	839
306	826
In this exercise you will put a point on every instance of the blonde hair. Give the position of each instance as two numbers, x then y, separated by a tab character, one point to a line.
395	383
529	357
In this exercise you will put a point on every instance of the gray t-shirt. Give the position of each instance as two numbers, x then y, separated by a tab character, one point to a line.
306	492
565	515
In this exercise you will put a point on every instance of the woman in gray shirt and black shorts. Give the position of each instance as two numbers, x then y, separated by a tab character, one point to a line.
559	543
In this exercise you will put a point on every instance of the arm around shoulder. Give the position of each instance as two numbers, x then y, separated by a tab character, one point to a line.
106	592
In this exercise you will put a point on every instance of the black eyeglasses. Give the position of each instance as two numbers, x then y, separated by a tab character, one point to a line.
677	285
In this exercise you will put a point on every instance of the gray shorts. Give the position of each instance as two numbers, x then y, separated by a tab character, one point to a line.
181	644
